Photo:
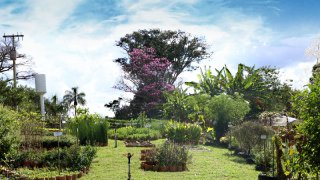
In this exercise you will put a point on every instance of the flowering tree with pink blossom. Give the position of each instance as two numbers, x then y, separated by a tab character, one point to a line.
146	76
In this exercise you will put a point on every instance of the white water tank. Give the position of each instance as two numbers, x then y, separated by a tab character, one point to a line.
40	83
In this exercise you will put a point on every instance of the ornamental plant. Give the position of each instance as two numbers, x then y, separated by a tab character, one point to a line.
171	154
183	133
248	135
89	128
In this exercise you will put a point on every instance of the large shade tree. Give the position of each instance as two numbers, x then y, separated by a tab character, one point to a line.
155	60
181	49
73	98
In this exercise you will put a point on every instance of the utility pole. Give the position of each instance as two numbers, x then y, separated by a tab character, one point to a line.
13	54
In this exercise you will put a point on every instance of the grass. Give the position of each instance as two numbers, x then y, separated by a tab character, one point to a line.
217	163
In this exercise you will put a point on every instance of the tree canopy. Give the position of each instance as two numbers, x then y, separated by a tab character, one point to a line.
260	86
155	60
180	48
73	98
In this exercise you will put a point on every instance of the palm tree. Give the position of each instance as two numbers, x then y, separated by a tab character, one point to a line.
72	98
54	107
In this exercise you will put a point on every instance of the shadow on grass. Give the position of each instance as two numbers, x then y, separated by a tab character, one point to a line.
236	159
216	145
239	158
233	154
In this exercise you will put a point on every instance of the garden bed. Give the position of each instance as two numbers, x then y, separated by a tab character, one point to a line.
138	144
25	174
154	167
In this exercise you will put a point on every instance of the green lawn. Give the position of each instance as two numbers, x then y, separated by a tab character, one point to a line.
217	163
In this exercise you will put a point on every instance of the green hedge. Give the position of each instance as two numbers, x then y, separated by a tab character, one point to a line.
184	133
132	133
50	142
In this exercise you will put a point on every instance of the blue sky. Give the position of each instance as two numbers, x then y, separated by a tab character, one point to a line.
73	42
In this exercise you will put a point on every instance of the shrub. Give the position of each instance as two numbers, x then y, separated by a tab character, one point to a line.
132	133
263	157
50	142
248	135
89	129
74	158
223	109
170	154
9	130
32	128
183	132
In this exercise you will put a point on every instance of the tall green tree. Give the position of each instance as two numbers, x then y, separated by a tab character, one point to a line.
73	98
55	109
20	98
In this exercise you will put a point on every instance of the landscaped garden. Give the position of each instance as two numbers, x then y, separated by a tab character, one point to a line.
242	125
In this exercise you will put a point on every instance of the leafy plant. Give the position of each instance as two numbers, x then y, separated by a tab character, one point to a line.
183	132
248	135
50	142
132	133
223	109
9	131
89	128
171	154
306	105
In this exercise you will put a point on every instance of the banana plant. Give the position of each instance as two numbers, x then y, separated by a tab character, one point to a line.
208	83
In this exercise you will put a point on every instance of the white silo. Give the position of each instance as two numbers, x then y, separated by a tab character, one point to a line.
40	81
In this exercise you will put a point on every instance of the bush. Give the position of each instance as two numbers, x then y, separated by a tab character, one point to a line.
32	128
50	142
223	109
170	154
74	158
132	133
89	129
9	130
248	135
183	132
263	158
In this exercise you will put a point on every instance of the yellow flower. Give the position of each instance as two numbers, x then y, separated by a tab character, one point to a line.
291	152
